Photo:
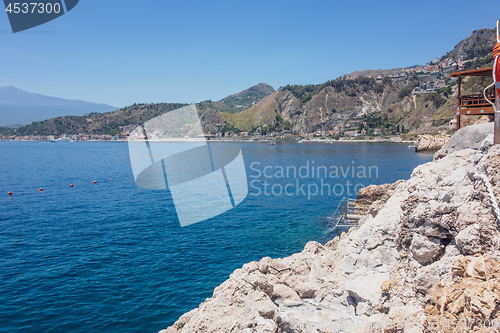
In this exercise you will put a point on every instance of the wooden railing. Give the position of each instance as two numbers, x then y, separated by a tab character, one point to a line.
475	100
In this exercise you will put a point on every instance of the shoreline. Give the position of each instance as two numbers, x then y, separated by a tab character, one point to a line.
234	140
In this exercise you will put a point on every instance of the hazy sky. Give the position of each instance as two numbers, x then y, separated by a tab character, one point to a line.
122	51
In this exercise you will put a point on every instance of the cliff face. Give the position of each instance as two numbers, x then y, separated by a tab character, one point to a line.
330	107
427	252
327	108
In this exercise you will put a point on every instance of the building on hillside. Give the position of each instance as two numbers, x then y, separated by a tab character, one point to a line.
425	88
451	68
432	68
351	133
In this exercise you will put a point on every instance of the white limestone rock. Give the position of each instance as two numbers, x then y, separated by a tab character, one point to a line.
472	137
426	249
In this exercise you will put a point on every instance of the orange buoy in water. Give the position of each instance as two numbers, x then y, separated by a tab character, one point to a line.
110	178
40	189
95	182
10	193
71	185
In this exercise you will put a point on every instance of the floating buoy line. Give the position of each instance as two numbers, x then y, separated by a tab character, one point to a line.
50	188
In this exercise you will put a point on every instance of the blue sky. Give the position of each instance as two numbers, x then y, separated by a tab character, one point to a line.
122	52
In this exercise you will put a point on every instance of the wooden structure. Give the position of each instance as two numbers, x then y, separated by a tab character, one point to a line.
474	104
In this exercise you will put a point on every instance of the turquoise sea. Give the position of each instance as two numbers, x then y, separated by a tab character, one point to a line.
111	257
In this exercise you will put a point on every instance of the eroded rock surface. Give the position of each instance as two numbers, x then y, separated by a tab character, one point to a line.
469	299
431	252
428	142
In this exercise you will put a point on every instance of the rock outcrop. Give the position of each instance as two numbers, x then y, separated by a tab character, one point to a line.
479	137
427	260
373	193
428	142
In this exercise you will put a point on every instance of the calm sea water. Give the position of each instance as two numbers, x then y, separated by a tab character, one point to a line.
111	256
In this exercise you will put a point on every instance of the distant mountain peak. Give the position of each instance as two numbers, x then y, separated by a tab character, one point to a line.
240	101
260	88
478	44
19	107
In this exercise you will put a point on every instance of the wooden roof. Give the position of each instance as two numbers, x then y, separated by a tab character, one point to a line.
475	72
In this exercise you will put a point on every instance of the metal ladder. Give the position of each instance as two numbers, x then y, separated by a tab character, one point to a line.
348	214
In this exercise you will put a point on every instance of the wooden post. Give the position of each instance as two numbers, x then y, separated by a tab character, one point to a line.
496	130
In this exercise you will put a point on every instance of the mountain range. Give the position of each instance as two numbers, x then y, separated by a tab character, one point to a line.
416	99
110	122
19	107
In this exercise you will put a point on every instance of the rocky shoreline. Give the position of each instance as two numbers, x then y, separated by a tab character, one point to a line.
431	143
424	259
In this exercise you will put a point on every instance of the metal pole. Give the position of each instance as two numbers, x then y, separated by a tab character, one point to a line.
346	204
459	100
496	131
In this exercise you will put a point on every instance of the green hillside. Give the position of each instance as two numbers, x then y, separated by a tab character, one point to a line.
97	123
238	102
